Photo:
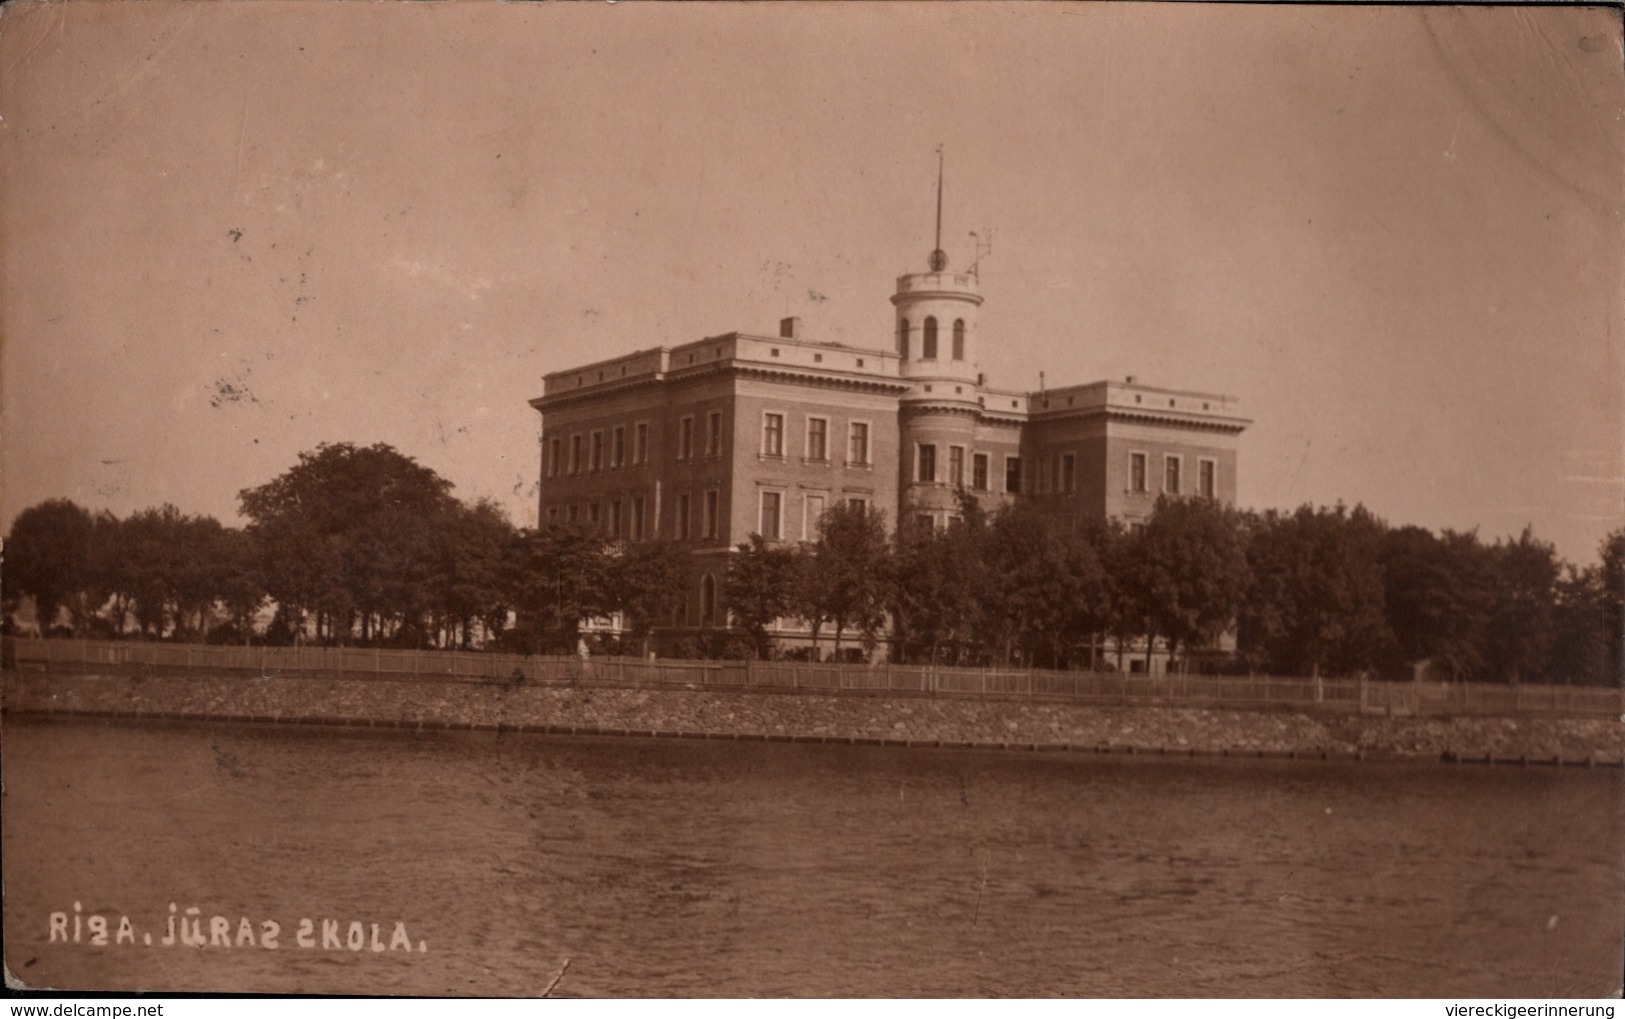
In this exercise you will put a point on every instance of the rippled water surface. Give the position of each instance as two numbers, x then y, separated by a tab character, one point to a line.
720	869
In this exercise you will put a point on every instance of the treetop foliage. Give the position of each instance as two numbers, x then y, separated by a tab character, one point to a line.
363	544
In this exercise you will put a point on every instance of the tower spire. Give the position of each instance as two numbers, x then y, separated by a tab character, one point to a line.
939	258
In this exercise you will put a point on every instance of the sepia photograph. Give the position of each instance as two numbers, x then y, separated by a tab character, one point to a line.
813	500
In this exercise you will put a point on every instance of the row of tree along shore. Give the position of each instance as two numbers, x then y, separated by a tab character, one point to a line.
364	546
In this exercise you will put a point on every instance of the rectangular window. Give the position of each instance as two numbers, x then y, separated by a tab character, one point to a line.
552	514
593	514
927	463
925	522
859	503
615	519
772	505
713	433
818	438
1012	474
577	452
597	451
956	466
809	522
1170	475
617	448
858	443
773	434
554	455
1207	478
1069	472
1136	472
640	442
978	472
682	517
712	503
685	438
637	518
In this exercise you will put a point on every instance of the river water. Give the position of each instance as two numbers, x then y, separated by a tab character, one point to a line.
661	867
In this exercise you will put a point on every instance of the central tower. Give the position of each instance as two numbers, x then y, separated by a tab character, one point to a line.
936	341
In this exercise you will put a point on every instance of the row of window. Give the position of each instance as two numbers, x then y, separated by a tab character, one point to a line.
1060	473
627	518
601	449
1173	470
596	450
815	446
926	471
928	339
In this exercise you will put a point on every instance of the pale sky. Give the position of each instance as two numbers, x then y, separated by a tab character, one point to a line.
232	231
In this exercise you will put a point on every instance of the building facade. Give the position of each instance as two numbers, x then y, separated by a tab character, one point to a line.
712	441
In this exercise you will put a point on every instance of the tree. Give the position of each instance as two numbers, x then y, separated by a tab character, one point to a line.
940	590
47	554
758	588
1048	589
1579	648
1190	569
1437	591
646	582
1522	609
470	581
1314	598
562	578
349	532
843	575
1613	602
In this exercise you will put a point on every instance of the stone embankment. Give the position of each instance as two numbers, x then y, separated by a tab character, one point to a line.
725	714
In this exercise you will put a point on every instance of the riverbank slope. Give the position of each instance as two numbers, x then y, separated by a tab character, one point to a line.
1022	724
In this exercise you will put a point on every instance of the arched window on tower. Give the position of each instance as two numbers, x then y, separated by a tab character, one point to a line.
928	346
959	339
902	339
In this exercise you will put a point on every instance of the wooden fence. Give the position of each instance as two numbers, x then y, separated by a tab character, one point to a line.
1115	688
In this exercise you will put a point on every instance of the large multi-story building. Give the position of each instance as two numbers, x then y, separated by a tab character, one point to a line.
712	441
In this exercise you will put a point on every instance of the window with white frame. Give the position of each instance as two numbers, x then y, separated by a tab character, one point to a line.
857	446
713	506
772	434
683	517
1136	472
1012	475
926	463
813	510
771	525
617	447
554	456
1207	478
817	439
713	433
637	517
577	453
978	472
1171	465
956	466
858	502
597	451
685	438
640	442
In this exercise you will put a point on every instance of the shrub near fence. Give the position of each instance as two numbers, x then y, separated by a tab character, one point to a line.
1113	688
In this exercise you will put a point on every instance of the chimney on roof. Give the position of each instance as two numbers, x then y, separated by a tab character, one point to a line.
790	328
